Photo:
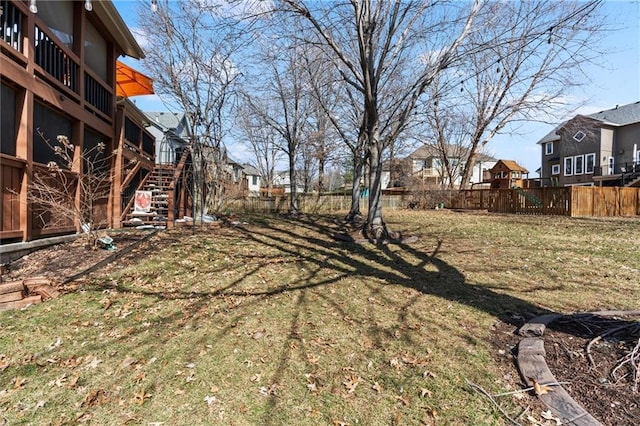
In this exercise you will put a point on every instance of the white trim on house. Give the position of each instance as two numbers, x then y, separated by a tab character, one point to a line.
578	164
589	165
568	166
548	148
555	169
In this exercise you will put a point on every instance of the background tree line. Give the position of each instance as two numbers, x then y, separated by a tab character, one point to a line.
316	83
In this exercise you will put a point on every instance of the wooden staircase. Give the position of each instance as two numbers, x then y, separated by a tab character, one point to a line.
159	184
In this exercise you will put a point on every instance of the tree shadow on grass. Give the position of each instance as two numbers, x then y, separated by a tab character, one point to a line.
309	242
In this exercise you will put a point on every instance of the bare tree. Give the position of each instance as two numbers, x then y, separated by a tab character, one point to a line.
190	50
282	103
261	140
73	190
324	138
446	130
376	44
537	56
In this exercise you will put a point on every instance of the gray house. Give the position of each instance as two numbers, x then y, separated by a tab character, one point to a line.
596	149
172	133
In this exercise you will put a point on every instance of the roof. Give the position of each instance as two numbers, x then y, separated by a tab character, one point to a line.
620	115
249	170
166	120
552	135
512	165
452	151
108	14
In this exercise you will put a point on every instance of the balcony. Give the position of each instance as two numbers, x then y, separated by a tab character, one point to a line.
55	62
622	174
11	25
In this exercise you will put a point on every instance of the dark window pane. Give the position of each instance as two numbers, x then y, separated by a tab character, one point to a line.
8	123
47	125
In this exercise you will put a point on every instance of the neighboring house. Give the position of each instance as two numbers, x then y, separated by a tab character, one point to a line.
426	164
59	76
234	171
507	174
601	148
283	180
252	176
172	133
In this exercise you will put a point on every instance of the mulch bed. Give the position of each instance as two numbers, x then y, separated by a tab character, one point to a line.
61	261
611	396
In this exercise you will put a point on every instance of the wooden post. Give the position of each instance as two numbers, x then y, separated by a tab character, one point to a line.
24	140
77	139
115	198
24	149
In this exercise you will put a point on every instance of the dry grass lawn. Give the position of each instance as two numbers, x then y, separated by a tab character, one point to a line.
275	322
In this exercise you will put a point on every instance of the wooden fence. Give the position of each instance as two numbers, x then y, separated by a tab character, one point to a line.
312	203
605	201
563	201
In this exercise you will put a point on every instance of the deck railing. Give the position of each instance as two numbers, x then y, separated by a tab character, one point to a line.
11	25
59	62
139	139
55	60
97	95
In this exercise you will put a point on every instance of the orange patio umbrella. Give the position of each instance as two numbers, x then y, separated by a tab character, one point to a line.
130	82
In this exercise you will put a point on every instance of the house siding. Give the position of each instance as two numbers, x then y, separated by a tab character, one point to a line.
54	80
626	138
609	148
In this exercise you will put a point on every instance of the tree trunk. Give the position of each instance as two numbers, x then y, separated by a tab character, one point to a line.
469	165
375	227
321	165
293	204
354	215
198	182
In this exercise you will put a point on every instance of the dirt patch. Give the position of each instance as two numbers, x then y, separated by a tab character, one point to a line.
607	394
60	261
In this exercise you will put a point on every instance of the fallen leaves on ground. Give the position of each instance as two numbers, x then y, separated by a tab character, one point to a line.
540	389
351	383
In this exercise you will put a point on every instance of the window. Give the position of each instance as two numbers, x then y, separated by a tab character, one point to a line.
590	163
555	169
254	180
568	166
47	125
58	16
8	121
611	166
548	148
95	51
96	157
579	136
578	164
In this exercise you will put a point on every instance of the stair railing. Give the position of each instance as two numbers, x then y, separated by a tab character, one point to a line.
177	176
